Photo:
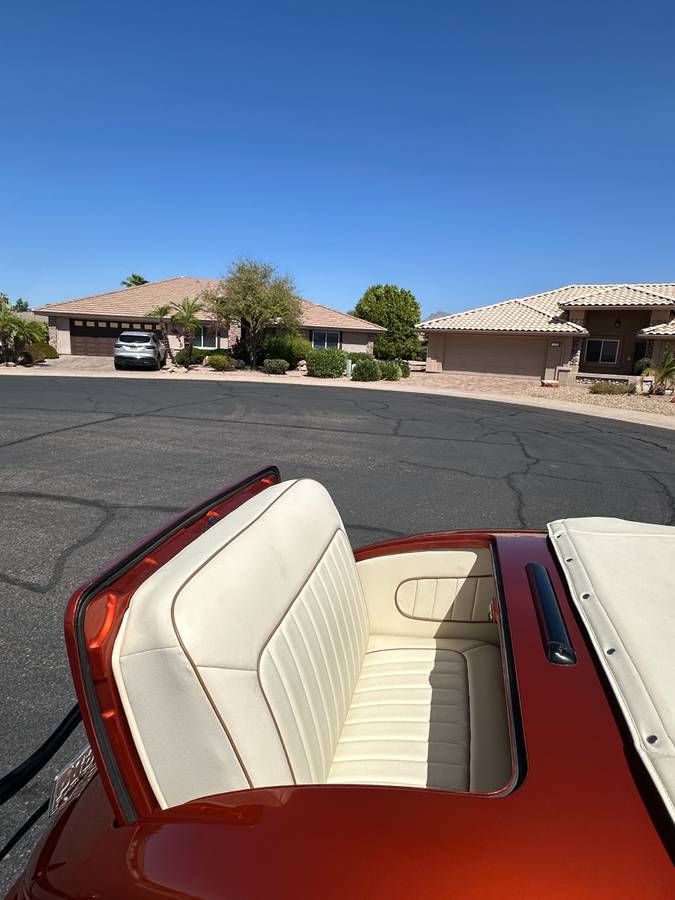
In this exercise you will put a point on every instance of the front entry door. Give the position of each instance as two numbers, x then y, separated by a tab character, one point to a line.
639	351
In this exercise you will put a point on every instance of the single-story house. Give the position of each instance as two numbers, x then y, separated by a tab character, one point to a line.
581	329
89	326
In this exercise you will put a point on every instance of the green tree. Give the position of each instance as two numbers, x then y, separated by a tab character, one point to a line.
663	373
8	322
185	321
16	332
254	295
134	280
213	302
21	306
398	311
163	314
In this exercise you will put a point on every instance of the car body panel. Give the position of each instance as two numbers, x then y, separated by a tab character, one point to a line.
584	821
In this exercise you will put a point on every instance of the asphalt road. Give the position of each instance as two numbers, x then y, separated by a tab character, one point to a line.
88	466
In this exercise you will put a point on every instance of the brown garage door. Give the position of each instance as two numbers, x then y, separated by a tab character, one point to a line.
94	337
494	354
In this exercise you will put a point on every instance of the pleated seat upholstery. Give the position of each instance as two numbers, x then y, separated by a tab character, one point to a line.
248	661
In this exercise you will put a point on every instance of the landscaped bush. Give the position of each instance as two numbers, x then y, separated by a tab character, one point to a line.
221	362
44	348
290	347
355	356
275	366
367	370
326	363
198	356
404	366
30	357
609	387
641	365
391	371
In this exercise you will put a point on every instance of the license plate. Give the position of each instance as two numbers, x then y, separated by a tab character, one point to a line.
72	780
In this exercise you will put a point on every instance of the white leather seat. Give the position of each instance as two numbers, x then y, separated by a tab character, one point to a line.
248	661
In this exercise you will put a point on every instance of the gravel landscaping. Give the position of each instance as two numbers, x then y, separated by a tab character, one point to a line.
581	394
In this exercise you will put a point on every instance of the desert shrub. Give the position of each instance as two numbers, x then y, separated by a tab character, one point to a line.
44	348
355	356
608	387
391	371
221	362
30	357
366	370
198	356
326	363
275	366
641	365
404	366
240	352
290	347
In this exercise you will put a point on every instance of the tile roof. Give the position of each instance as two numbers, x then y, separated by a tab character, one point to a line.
546	312
531	315
663	329
135	302
314	315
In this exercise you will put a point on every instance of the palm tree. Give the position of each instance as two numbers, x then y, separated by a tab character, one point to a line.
186	321
26	332
8	325
663	373
16	332
134	280
163	313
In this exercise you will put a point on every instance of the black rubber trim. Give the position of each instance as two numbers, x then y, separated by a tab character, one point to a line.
557	644
513	698
12	783
125	802
23	830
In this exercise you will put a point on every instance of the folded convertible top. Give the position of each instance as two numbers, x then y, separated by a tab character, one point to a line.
621	577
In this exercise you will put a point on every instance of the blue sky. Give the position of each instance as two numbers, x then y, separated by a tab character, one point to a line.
467	151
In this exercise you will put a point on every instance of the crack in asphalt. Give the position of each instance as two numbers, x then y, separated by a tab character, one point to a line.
670	495
108	510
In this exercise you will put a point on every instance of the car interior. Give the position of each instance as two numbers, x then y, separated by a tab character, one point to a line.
263	654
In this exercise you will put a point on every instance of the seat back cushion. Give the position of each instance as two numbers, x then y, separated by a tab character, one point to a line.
236	661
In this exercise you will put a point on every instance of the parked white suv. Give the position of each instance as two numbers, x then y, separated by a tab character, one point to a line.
143	348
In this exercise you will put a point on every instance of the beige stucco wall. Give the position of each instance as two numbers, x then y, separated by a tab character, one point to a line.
59	333
489	354
357	342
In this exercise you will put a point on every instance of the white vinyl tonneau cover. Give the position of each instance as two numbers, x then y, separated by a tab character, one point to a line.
621	577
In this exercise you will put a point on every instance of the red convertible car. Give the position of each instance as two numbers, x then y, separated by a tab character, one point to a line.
271	714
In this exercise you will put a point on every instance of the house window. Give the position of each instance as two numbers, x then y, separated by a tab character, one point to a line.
125	326
603	351
90	324
102	324
205	339
78	322
325	340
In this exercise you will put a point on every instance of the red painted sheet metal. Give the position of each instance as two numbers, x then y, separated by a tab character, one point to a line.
581	824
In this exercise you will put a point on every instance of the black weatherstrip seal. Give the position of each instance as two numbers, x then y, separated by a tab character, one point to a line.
126	804
514	699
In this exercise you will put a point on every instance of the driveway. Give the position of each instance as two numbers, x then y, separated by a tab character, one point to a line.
90	465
